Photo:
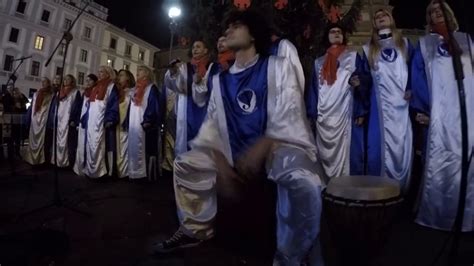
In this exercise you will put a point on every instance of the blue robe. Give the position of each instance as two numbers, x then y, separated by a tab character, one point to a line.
191	107
390	138
333	110
435	94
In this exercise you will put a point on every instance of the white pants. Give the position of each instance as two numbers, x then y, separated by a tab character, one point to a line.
298	207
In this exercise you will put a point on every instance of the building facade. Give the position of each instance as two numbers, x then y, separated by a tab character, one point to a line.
35	27
122	50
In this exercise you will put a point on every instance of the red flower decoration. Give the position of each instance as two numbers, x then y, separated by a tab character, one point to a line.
242	4
334	14
281	4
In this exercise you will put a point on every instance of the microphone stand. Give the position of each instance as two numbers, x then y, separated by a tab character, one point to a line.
465	161
58	201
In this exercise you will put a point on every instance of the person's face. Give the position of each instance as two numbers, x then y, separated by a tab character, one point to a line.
142	73
238	36
199	50
90	82
45	83
103	74
67	81
335	36
436	14
122	77
382	20
222	45
56	81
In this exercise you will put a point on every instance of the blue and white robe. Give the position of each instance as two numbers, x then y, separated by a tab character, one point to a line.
261	99
100	144
121	137
191	106
390	137
66	137
284	48
143	145
435	94
81	123
334	108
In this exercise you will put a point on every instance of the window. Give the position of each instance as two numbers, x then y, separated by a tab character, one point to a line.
20	8
39	40
87	32
113	43
14	32
8	63
126	66
35	68
110	62
59	71
128	49
45	16
80	78
83	57
141	55
62	49
67	24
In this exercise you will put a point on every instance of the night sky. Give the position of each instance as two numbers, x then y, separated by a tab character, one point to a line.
148	19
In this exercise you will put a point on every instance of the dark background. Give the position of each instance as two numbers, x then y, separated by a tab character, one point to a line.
148	19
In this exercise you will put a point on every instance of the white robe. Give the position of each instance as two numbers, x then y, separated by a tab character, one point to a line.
64	115
122	138
34	153
440	186
334	122
95	148
137	159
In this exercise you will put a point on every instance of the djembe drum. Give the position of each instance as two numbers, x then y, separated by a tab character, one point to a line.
359	211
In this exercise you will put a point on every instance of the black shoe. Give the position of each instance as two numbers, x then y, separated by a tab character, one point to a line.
178	241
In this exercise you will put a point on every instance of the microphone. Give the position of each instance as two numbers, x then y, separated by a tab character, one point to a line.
22	58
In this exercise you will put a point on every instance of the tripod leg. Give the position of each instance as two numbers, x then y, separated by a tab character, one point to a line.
35	211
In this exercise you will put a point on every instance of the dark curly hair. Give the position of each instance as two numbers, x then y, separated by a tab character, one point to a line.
331	26
258	26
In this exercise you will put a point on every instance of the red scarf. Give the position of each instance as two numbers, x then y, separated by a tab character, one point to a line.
201	65
442	29
224	58
140	91
99	90
40	97
64	92
88	91
330	64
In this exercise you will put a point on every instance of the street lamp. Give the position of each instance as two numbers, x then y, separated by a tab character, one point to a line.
173	12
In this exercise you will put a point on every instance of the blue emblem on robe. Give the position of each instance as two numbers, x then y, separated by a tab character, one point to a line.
443	49
247	100
389	55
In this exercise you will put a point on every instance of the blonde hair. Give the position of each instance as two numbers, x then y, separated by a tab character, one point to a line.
150	75
109	71
451	19
374	45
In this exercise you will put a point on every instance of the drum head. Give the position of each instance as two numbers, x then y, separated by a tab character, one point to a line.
369	188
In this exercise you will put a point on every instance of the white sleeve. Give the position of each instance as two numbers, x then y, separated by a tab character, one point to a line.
286	107
177	82
200	90
287	50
